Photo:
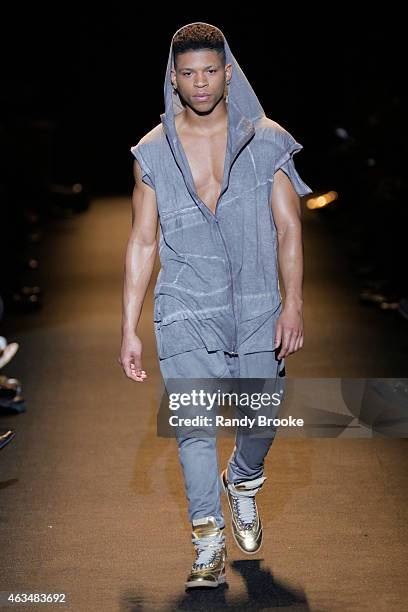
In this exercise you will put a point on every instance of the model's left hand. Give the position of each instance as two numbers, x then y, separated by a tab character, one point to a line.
289	330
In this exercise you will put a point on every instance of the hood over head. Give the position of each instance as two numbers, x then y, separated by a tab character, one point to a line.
243	107
240	93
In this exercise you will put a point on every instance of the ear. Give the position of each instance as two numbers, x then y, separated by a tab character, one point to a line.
228	72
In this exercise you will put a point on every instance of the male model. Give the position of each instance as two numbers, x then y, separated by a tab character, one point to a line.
219	176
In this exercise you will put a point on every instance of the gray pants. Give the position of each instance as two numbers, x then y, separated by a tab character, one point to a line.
198	453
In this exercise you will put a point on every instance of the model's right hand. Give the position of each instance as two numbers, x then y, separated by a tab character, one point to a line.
131	358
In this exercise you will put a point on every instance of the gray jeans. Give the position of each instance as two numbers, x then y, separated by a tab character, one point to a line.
198	453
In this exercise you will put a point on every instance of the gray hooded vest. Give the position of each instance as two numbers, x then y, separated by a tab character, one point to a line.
218	286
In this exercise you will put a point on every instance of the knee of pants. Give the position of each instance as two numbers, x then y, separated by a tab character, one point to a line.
195	433
201	442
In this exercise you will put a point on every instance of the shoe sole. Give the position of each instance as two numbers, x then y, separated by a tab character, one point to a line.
247	552
203	583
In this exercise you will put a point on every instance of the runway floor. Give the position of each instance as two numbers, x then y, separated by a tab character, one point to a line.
92	502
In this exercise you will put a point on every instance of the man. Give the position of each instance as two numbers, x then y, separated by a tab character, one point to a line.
219	176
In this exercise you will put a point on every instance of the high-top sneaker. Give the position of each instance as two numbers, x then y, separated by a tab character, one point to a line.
246	523
208	570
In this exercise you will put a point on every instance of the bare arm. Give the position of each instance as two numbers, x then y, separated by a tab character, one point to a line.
287	216
138	267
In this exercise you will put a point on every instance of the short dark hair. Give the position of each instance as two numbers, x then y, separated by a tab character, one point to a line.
196	36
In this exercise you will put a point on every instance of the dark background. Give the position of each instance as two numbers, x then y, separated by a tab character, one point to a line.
99	77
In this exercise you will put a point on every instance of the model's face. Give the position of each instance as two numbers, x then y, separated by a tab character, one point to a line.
200	78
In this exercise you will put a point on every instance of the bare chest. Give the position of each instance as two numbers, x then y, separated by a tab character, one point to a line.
206	158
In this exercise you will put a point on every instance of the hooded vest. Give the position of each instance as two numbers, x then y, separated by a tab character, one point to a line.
218	286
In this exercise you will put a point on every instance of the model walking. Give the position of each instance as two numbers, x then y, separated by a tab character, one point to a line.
219	178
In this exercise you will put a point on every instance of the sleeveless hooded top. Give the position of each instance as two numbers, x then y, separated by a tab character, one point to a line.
218	285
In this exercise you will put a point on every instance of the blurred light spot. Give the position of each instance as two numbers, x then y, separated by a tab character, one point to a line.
322	200
341	133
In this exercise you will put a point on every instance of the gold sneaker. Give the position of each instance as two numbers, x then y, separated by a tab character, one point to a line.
208	570
246	523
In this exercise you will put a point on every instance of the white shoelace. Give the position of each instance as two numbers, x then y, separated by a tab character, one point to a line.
245	508
207	548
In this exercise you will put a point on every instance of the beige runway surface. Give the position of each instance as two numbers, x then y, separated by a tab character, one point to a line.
92	502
